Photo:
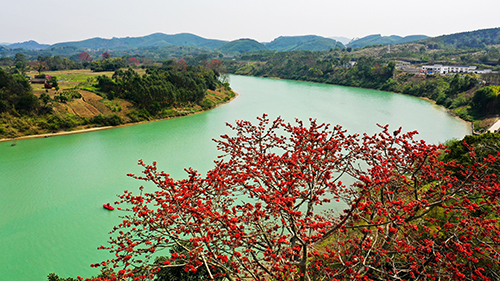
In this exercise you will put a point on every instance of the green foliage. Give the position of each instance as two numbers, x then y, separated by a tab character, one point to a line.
312	66
377	39
7	61
16	94
107	120
453	92
481	145
153	40
55	123
487	100
171	85
463	113
241	46
20	62
460	83
474	39
110	64
138	116
207	104
59	63
113	106
45	99
55	277
66	95
53	82
308	42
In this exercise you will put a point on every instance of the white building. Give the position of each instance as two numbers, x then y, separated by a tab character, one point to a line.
435	69
445	69
461	69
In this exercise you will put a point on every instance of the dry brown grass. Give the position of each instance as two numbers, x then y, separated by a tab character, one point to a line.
82	108
90	104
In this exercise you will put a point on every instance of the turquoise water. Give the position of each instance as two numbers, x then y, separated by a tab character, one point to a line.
52	189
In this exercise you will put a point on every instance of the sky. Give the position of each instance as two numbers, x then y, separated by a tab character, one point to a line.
54	21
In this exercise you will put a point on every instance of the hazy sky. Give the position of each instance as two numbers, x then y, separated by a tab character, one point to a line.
53	21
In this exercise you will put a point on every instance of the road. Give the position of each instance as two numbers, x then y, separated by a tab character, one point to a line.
495	127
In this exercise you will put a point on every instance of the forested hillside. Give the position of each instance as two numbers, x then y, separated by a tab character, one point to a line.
173	84
308	42
16	96
162	91
378	39
314	66
463	94
30	45
153	40
471	39
239	46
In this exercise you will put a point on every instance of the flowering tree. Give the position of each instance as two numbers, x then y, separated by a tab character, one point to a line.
85	57
220	70
38	65
105	55
133	61
266	211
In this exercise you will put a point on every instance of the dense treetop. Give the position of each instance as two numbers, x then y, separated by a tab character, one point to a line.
16	94
470	39
257	215
174	83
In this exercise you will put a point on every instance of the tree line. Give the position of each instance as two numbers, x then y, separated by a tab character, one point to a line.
16	95
172	84
465	94
156	94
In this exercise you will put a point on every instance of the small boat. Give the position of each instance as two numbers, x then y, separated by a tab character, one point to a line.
109	207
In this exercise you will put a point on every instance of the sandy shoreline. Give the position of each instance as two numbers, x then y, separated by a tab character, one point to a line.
63	133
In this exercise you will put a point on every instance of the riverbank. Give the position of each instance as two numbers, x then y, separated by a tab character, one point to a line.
448	110
87	130
455	93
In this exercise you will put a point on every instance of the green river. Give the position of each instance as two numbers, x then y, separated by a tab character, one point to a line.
52	189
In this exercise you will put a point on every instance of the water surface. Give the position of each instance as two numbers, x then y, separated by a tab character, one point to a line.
52	189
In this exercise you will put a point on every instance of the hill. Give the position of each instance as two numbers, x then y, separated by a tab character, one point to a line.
85	100
30	45
377	39
153	40
303	43
470	39
242	45
343	40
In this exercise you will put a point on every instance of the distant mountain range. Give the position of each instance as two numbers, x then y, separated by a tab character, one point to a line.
30	45
377	39
302	43
470	39
280	44
283	43
153	40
